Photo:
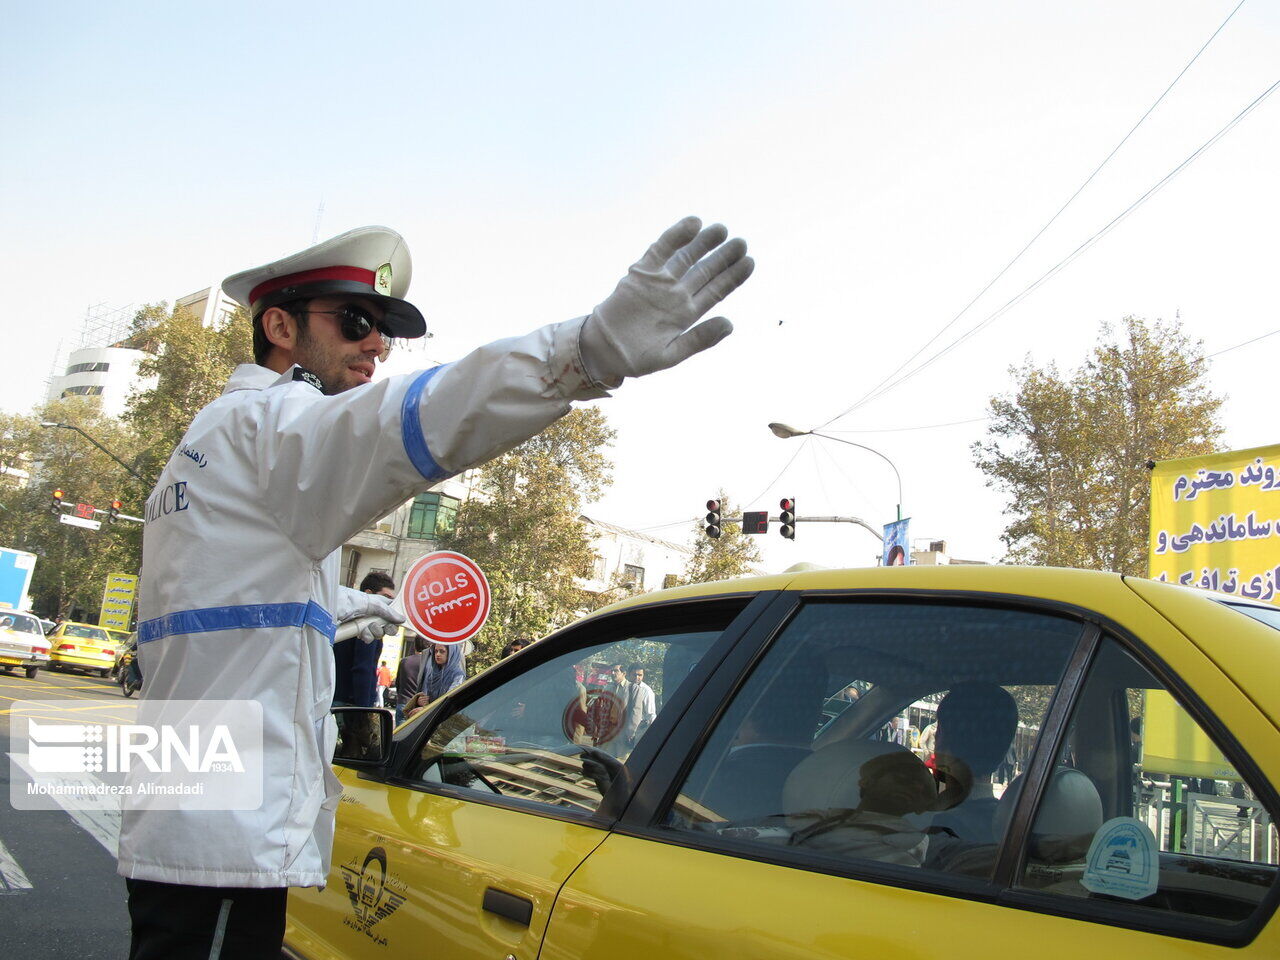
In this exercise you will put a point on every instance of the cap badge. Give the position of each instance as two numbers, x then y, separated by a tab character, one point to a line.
382	280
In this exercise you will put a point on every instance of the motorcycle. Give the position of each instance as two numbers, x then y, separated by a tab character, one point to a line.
129	673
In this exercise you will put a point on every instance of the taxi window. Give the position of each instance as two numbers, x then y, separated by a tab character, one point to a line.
560	733
20	624
1144	810
84	632
875	785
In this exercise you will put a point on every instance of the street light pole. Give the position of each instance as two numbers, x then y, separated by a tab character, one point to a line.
786	432
67	426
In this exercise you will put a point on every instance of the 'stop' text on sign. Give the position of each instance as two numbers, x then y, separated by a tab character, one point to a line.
446	597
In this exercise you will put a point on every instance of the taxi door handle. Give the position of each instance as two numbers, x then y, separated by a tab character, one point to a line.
508	905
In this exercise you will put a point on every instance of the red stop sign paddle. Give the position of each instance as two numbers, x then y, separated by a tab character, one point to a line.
446	597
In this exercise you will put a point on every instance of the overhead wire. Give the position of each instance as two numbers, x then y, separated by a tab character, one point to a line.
1066	261
1018	256
927	426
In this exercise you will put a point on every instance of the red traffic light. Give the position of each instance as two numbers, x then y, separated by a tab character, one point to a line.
116	504
787	517
713	506
57	494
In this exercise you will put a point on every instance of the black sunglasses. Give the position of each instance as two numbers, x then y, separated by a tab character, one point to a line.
355	323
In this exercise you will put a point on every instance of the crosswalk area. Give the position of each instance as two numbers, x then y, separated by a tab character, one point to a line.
59	892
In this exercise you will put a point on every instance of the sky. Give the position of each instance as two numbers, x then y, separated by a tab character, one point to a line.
883	161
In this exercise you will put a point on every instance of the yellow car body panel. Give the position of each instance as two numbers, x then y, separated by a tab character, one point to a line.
441	855
636	899
1238	651
621	897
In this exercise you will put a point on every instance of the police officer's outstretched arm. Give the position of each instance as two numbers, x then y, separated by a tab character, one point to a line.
331	465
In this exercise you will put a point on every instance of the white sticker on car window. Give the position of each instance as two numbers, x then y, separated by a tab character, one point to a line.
1123	860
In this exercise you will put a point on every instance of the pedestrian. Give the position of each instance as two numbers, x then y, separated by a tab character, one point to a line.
641	708
443	670
355	664
409	675
240	592
515	646
384	681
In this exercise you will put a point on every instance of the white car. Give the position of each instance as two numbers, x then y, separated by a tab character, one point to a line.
22	642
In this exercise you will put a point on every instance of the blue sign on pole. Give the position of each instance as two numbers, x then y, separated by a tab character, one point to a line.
16	568
897	545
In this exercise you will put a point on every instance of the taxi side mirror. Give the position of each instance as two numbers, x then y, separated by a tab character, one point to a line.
364	736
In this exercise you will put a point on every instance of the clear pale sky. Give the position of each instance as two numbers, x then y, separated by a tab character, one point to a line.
884	161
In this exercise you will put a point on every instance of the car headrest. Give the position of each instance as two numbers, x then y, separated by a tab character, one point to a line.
1070	814
827	779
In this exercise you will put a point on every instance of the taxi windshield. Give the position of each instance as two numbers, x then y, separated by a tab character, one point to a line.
84	632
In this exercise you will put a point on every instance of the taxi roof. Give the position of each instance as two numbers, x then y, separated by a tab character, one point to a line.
1058	584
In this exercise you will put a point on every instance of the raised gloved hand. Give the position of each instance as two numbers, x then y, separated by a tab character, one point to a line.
353	604
647	323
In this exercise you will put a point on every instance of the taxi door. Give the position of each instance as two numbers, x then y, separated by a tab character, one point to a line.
745	841
495	798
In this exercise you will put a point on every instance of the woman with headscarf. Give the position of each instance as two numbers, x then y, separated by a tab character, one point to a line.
441	672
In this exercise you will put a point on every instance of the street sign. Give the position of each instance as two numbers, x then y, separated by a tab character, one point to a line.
755	521
80	522
446	597
117	601
84	511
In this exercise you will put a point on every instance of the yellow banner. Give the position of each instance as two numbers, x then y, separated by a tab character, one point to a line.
1173	743
1215	522
117	601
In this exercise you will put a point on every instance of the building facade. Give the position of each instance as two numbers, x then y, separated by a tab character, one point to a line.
109	373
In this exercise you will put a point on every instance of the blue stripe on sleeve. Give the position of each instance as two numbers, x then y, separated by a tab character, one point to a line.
415	444
251	616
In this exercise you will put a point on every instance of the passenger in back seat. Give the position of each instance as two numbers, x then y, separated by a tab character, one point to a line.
892	786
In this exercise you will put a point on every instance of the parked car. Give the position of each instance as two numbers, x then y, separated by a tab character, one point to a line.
510	820
22	643
82	646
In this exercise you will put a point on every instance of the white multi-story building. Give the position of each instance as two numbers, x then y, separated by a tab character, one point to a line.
625	559
633	560
392	544
109	373
209	304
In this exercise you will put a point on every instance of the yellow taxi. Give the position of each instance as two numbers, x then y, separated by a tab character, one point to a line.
666	778
82	646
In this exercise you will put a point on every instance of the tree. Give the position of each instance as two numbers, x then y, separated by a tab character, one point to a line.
188	364
732	554
526	531
73	563
1071	452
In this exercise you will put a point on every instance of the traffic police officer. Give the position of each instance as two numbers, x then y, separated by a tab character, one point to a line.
240	595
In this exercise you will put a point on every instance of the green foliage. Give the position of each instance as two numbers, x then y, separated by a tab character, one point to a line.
73	563
733	554
526	531
1071	451
188	367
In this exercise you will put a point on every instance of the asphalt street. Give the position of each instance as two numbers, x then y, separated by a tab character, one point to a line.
59	893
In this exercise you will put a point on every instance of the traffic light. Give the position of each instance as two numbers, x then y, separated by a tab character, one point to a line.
114	512
55	506
713	519
787	517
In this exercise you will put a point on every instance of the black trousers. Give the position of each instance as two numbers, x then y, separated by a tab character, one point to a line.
173	921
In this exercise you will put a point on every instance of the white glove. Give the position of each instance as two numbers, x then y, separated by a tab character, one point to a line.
353	603
647	323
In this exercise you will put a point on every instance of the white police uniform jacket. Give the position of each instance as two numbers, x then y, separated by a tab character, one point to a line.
241	565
